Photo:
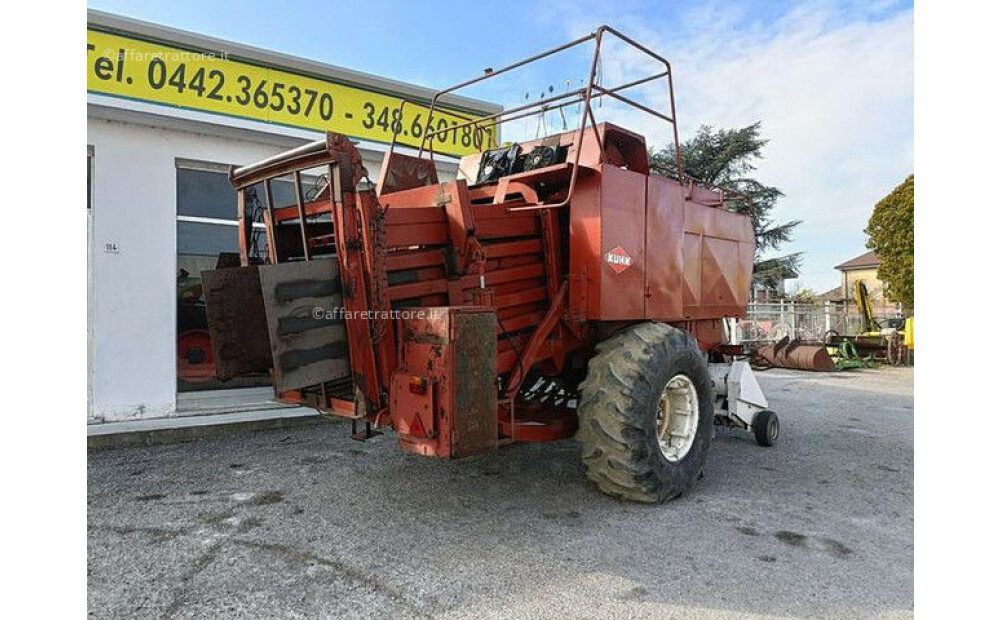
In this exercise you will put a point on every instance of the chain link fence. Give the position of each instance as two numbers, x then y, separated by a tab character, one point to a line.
769	322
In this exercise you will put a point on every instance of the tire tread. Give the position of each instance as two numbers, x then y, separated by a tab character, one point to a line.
613	398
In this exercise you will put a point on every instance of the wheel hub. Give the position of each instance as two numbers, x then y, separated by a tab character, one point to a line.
677	417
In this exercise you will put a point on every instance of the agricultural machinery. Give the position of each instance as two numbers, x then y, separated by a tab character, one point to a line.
554	288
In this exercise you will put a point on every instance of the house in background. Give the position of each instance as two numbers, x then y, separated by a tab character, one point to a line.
862	268
834	295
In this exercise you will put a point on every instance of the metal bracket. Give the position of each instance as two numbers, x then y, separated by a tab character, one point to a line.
365	435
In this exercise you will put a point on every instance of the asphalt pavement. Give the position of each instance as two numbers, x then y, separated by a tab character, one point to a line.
305	522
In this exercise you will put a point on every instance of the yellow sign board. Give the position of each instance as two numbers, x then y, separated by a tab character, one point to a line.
136	69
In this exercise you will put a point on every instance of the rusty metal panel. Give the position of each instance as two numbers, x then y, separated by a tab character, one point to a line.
455	349
608	244
474	349
665	256
412	412
401	172
720	271
718	262
700	257
704	196
308	346
585	247
236	321
623	244
650	247
715	222
745	278
425	353
692	270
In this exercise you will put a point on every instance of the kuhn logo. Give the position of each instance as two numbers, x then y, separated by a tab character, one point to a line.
618	259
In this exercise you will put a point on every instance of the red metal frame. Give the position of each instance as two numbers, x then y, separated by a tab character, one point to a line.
584	96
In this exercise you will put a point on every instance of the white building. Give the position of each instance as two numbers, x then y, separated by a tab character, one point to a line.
167	113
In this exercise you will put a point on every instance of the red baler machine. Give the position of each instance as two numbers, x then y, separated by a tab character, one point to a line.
554	288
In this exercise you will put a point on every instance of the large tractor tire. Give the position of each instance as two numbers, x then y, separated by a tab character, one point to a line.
646	413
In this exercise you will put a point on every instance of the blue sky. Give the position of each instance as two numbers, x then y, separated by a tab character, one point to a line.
831	81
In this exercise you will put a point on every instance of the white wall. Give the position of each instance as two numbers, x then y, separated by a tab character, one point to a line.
134	292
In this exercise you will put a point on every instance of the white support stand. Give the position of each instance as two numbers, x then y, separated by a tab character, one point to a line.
738	396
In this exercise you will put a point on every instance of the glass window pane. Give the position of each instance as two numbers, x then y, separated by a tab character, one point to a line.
204	193
283	192
283	189
196	238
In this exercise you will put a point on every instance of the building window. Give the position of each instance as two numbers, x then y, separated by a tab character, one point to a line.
207	236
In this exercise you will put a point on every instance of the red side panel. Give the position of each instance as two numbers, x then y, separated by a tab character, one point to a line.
608	243
700	256
718	262
623	244
665	240
692	272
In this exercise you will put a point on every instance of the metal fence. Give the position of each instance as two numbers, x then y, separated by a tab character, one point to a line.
807	321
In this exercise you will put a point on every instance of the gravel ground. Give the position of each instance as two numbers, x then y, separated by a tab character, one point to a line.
308	523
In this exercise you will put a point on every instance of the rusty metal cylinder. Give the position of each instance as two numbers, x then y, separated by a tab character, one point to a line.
796	356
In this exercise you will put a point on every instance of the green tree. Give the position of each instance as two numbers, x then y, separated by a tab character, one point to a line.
806	295
726	158
890	234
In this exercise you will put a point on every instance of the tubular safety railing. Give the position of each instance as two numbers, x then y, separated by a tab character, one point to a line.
585	96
